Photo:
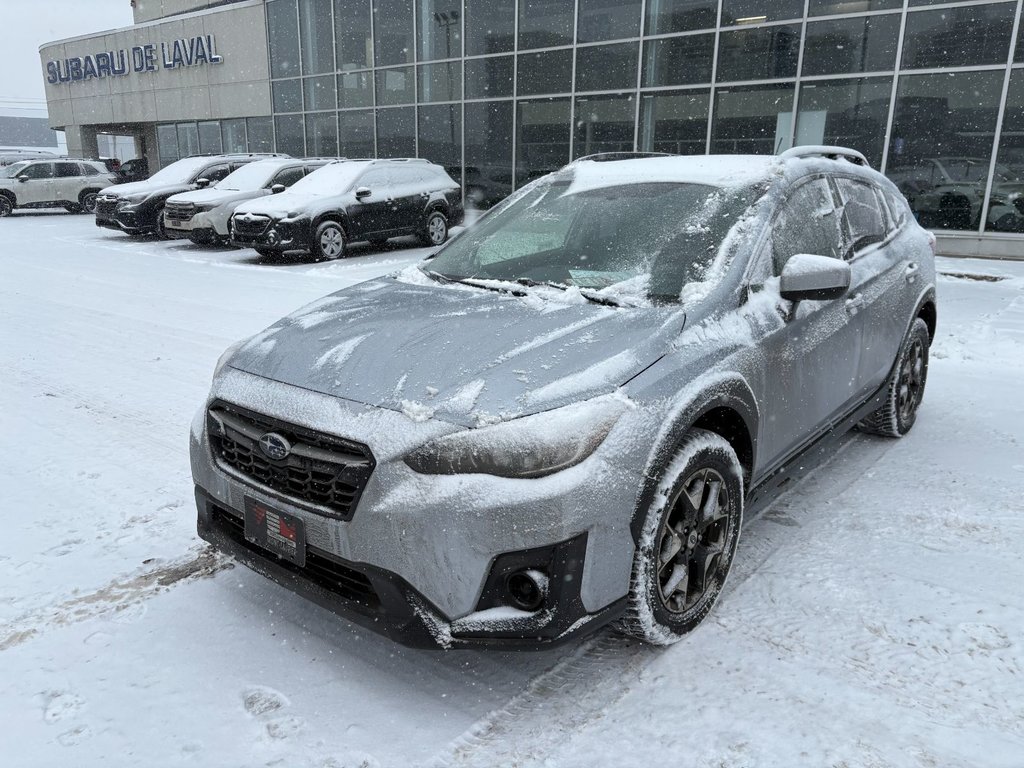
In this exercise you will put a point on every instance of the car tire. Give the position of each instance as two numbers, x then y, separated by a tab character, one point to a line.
6	206
688	540
161	229
329	241
435	230
87	201
905	389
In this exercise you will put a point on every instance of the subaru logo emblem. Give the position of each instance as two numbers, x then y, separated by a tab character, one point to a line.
274	446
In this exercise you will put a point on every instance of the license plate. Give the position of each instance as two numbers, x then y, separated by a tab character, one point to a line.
275	531
174	223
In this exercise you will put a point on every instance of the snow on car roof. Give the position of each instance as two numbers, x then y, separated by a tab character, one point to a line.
713	170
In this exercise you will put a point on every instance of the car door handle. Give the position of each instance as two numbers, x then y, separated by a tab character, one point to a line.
854	303
911	272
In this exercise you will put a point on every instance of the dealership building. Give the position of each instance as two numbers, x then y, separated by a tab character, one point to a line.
501	91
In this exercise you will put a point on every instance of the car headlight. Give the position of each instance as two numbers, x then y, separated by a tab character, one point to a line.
127	203
223	359
532	446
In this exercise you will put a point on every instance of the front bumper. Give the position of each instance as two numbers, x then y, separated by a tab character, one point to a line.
129	222
435	549
278	236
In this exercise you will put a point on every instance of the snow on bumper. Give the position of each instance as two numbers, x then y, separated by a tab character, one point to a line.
436	548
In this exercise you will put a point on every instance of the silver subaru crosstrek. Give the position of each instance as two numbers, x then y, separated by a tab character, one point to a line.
560	419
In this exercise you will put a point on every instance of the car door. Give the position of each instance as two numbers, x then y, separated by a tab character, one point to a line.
37	186
880	281
371	214
67	180
811	356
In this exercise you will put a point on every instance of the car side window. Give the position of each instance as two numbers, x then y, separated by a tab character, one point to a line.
288	176
374	179
88	170
215	173
67	170
861	213
898	206
807	223
38	171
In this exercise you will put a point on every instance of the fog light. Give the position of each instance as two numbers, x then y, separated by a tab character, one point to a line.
527	589
272	237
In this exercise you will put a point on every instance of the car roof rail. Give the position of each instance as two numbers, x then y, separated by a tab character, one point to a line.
400	160
830	153
608	157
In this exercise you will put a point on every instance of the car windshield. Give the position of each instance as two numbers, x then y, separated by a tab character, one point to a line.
329	180
180	172
665	233
13	170
249	177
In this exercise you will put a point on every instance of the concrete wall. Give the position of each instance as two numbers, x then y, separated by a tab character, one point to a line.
150	10
238	87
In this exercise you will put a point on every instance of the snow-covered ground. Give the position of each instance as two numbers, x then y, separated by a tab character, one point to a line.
874	618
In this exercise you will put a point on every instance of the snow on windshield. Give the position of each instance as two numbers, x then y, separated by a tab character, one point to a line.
181	171
250	176
329	180
13	170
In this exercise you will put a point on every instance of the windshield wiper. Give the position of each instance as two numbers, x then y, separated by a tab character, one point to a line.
600	298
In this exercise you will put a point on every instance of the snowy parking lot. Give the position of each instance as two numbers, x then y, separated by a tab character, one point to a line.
874	616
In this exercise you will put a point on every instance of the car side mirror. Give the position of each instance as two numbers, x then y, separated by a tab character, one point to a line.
202	183
362	192
807	277
277	189
23	179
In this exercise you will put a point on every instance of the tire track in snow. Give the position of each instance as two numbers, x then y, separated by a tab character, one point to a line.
117	596
583	685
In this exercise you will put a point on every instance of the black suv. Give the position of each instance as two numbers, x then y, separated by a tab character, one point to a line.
138	208
352	200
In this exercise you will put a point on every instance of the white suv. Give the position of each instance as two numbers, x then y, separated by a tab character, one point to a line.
65	182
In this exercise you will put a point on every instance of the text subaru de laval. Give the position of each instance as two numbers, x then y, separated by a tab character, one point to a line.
558	420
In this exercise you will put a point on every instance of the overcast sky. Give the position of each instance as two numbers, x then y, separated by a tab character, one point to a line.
30	23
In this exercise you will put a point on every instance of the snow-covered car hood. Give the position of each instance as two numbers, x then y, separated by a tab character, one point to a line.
280	205
143	187
468	356
216	196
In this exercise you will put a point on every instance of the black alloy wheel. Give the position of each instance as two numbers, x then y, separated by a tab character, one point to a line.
6	206
87	201
905	390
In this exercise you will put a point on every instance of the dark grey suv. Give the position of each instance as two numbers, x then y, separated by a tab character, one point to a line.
561	419
352	200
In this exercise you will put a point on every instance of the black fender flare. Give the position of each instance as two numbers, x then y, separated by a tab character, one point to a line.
728	391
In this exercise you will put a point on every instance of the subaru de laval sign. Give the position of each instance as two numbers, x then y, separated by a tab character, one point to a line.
177	54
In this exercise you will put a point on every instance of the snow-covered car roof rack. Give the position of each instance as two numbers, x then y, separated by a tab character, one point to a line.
607	157
831	153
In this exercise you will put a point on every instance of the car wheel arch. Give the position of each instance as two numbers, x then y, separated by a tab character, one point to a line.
336	216
927	311
727	408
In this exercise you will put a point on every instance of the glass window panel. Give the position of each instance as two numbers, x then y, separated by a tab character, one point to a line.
440	136
392	31
188	139
674	122
288	176
395	86
316	33
606	67
757	11
545	23
290	139
957	37
1006	208
608	20
490	27
604	124
319	92
678	60
322	134
847	113
209	138
488	152
233	135
865	221
548	72
287	95
754	120
794	232
355	134
941	144
439	23
851	45
490	77
758	54
396	132
441	82
352	34
828	7
260	134
542	138
283	36
355	89
167	143
1019	55
667	16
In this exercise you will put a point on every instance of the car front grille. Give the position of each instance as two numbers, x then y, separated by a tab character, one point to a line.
247	224
322	472
180	211
322	569
106	206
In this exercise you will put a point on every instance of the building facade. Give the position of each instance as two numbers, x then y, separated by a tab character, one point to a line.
501	91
